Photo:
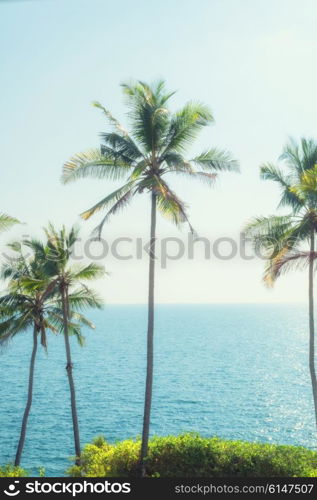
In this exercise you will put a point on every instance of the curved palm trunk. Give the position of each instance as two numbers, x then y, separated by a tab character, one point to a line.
69	369
29	400
150	334
311	324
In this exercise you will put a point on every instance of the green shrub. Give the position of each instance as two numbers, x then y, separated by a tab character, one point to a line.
12	471
190	455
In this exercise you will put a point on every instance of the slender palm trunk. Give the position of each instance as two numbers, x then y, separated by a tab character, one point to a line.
29	400
150	334
311	323
69	369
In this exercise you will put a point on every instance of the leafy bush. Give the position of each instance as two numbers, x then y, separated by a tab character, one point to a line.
12	471
190	455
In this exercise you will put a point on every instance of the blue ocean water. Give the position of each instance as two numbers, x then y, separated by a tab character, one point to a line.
236	371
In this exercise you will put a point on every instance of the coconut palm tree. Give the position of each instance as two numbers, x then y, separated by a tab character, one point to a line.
30	302
145	157
73	293
283	237
22	308
6	222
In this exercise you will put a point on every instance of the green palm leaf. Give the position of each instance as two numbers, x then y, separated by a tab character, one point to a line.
95	163
6	222
109	200
216	160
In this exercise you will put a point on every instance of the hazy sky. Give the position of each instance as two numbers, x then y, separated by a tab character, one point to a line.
252	61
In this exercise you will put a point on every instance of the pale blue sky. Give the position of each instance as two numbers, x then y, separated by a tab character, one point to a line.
252	61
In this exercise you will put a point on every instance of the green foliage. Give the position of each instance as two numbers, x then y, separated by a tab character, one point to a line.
11	471
282	237
190	455
41	471
6	222
32	294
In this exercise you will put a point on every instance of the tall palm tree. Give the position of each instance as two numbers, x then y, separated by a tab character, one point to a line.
145	157
6	222
72	292
283	236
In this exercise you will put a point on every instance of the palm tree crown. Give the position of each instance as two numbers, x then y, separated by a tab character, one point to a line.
29	298
282	236
32	296
155	147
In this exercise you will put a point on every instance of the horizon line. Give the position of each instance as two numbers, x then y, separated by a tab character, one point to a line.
204	303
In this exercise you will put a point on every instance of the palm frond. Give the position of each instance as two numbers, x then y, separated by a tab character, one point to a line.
55	320
120	204
124	148
89	272
205	177
309	153
13	325
82	320
306	189
84	298
270	232
299	156
170	205
111	199
216	160
6	222
112	120
75	331
185	126
97	164
148	113
175	162
285	262
268	171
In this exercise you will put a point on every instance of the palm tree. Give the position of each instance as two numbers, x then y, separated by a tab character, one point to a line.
6	222
145	157
31	301
72	292
21	308
283	236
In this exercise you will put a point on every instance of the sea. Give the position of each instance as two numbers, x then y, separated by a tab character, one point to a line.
237	371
